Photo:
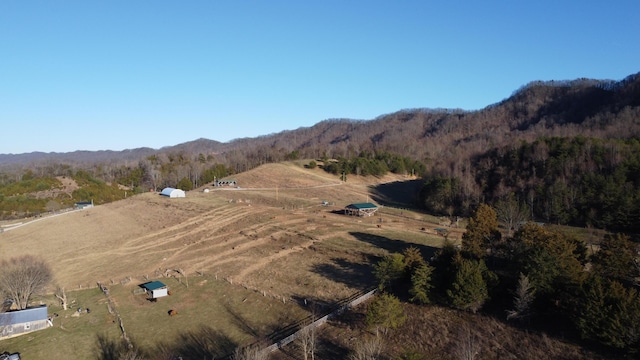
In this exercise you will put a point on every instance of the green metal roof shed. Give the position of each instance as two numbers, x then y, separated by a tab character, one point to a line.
361	209
156	289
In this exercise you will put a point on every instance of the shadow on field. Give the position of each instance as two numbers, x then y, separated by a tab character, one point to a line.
270	332
397	194
352	274
393	246
359	275
241	322
205	343
109	349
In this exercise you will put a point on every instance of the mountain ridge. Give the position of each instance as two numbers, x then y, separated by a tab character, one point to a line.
599	108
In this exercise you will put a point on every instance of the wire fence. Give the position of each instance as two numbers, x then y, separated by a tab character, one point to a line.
291	332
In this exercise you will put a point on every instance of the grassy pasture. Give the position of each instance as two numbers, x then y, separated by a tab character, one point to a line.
235	314
271	239
244	250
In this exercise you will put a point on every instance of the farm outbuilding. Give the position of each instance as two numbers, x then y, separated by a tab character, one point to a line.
225	182
19	322
172	193
155	289
360	209
83	205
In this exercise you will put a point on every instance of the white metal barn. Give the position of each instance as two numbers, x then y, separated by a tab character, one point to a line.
18	322
155	289
172	193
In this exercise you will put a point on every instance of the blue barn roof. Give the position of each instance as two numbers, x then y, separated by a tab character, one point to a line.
24	316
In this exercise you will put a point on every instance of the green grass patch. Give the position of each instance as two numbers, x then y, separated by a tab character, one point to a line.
238	314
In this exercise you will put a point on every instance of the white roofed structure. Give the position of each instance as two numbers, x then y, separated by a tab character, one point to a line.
172	193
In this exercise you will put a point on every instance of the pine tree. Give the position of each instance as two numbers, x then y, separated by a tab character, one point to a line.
469	290
185	184
615	259
610	314
482	232
389	271
412	259
385	312
522	300
551	259
421	284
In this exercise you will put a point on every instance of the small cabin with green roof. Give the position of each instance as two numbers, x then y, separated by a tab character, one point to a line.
360	209
155	289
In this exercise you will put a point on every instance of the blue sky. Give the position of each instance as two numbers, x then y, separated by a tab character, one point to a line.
114	75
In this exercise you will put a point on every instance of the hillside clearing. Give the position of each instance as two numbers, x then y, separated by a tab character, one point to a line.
254	235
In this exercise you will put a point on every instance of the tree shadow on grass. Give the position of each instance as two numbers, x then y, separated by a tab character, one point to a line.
394	246
110	349
398	193
205	343
240	321
353	274
282	327
328	348
359	275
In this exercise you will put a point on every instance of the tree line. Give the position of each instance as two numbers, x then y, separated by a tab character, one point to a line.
539	278
372	164
577	181
39	190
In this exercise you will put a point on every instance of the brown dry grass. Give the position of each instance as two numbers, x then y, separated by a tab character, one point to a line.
441	333
273	237
267	235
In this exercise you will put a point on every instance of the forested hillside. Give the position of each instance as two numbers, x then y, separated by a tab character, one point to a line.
566	150
572	180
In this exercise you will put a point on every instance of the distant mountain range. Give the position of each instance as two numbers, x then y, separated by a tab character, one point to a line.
587	107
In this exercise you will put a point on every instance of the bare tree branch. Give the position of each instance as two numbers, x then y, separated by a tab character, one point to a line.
22	278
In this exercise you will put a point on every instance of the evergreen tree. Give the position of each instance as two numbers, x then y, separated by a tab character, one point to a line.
469	290
421	284
610	314
550	259
615	259
185	184
522	300
481	233
439	194
389	271
385	312
412	260
444	267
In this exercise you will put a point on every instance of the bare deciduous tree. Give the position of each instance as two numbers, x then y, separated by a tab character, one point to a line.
468	347
511	213
307	342
250	353
23	277
61	294
368	349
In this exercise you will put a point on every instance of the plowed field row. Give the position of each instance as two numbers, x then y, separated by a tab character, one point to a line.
271	241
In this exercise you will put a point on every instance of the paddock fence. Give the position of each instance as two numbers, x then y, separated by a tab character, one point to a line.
290	333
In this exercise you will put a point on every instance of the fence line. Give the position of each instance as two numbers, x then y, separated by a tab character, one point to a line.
290	333
277	339
112	309
321	321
